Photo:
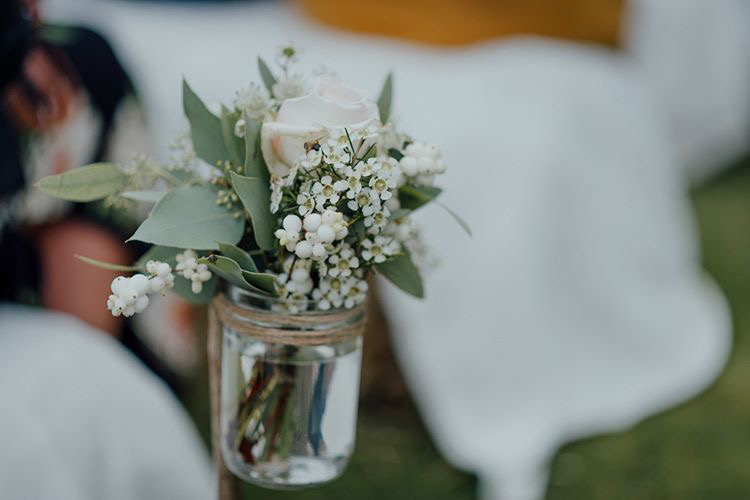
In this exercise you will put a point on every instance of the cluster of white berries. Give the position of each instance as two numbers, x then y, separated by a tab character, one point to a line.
421	162
320	232
189	267
130	295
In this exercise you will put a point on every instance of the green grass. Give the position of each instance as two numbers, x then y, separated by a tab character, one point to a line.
697	451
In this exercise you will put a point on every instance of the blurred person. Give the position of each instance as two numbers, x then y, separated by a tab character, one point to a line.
80	418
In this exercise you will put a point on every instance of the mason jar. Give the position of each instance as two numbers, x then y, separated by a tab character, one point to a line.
289	389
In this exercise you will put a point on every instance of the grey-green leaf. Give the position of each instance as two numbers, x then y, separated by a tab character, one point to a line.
384	101
238	255
229	270
456	217
107	265
255	166
205	128
183	288
413	197
266	75
235	145
401	271
189	217
255	194
88	183
144	196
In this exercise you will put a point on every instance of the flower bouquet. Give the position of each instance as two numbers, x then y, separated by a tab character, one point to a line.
291	199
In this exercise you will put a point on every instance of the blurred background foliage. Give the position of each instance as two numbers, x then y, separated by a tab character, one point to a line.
697	451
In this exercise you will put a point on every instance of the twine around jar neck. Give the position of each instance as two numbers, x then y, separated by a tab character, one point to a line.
291	329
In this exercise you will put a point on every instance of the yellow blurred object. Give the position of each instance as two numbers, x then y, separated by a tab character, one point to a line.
459	22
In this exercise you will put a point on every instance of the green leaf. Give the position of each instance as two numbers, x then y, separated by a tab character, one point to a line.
395	153
229	270
205	128
262	281
255	194
255	166
160	253
145	196
235	145
384	101
266	75
189	217
402	272
183	288
413	197
88	183
238	255
106	265
456	217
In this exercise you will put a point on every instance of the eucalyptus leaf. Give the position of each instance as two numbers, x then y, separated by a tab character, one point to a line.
384	101
238	255
189	217
401	271
235	146
183	288
255	166
88	183
145	196
413	197
205	128
107	265
255	194
395	154
456	217
160	253
266	75
230	270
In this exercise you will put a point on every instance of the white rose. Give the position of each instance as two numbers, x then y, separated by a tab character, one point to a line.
330	104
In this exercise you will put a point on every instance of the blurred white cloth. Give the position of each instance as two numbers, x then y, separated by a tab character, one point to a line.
81	419
579	306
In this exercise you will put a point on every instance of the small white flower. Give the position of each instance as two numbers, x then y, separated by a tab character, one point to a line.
354	292
289	87
325	192
381	187
311	160
377	221
277	194
306	203
254	101
352	182
365	201
342	263
379	249
368	168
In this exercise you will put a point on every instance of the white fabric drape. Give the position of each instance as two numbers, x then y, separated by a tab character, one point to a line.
579	306
81	419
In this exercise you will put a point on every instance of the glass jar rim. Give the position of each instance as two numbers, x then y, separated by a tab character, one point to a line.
260	301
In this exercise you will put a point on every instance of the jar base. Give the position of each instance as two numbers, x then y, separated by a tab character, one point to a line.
293	474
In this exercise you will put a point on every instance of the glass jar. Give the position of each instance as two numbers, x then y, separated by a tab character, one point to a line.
289	391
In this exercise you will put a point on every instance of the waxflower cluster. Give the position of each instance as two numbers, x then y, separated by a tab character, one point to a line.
343	214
